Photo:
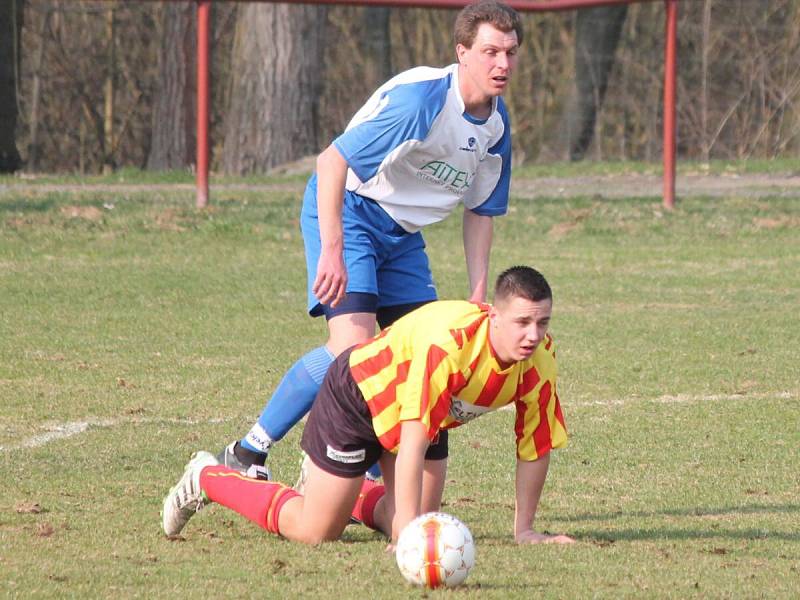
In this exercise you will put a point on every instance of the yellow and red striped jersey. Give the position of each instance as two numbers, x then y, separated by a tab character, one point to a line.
437	366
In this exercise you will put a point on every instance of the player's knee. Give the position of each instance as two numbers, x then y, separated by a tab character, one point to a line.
311	530
315	536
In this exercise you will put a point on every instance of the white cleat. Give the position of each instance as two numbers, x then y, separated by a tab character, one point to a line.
186	498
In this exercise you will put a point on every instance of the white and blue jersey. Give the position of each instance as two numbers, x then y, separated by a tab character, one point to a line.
412	149
414	155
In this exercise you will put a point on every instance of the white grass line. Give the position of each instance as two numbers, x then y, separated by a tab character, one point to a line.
60	431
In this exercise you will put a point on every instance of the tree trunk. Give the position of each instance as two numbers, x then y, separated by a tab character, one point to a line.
377	44
596	37
36	87
705	145
173	142
108	94
276	64
10	27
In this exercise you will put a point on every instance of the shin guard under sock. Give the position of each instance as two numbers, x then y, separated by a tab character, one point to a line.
255	499
364	510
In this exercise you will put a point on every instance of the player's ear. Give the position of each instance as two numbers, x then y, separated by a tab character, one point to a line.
493	315
461	51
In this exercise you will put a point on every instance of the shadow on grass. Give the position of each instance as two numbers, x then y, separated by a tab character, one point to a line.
699	511
612	533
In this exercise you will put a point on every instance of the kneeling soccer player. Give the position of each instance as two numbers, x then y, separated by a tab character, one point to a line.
392	399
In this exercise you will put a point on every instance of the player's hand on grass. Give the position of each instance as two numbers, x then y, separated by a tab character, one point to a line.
531	537
330	284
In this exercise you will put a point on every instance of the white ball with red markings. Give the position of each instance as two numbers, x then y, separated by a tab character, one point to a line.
435	550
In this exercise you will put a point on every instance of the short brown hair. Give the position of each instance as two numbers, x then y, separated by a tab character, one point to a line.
499	15
524	282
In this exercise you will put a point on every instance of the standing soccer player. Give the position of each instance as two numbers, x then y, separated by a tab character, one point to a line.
393	399
426	141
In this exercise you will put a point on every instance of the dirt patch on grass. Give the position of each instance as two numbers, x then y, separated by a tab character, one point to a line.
776	223
87	213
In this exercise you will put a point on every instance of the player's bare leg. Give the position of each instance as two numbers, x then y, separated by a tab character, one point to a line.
384	510
433	478
323	511
348	330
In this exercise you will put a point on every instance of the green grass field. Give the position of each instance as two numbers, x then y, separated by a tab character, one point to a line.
135	329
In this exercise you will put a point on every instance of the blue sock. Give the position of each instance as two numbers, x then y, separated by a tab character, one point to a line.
290	401
374	472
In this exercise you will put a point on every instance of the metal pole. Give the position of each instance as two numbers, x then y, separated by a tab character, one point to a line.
203	18
670	70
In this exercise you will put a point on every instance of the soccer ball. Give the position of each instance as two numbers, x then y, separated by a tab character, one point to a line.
435	550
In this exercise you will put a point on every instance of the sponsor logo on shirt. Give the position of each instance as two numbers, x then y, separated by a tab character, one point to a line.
438	171
464	412
470	147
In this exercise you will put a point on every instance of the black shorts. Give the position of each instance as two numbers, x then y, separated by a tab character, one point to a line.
339	436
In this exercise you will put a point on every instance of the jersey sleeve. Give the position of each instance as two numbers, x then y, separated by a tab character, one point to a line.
496	165
388	120
433	378
539	424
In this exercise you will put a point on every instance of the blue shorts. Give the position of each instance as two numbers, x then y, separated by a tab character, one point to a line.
382	258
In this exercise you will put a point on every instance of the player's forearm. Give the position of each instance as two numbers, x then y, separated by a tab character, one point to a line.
408	474
331	178
530	480
477	234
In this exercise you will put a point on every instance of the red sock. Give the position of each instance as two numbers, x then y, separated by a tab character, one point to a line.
255	499
364	510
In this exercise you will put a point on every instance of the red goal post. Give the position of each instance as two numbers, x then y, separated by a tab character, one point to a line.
670	70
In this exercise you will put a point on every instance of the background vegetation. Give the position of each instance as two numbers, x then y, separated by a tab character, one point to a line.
93	77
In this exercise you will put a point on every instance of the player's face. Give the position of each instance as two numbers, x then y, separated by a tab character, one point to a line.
488	65
518	326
